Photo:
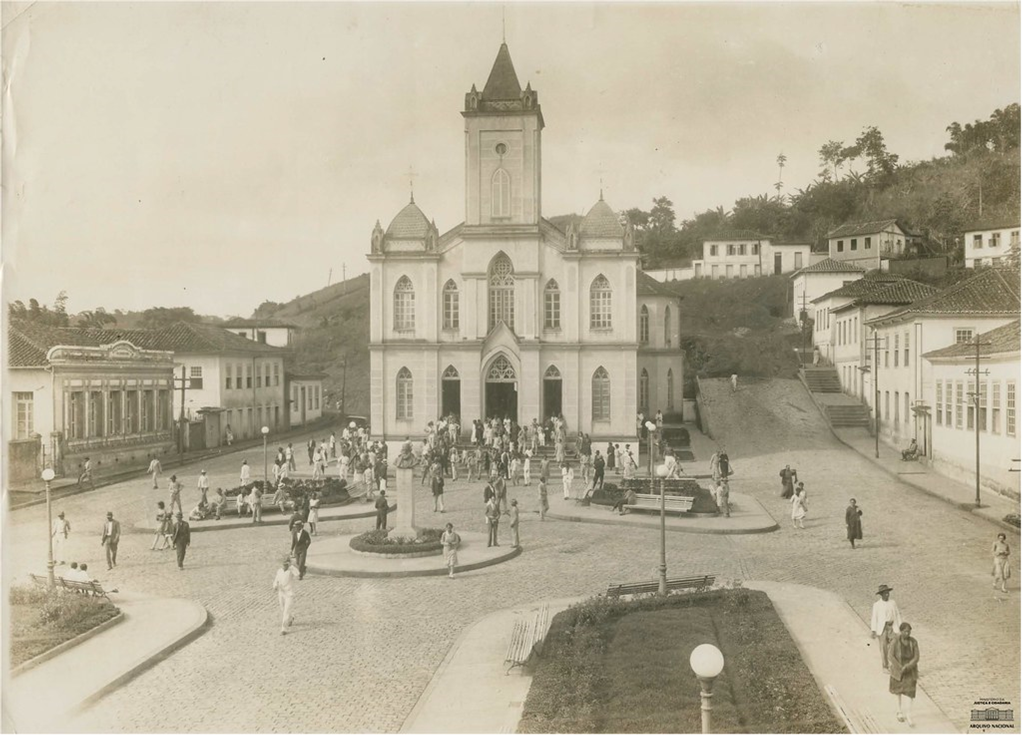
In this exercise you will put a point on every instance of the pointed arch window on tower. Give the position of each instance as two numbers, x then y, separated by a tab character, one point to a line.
667	326
404	395
644	325
500	194
599	304
670	389
552	305
601	395
644	391
451	306
404	306
502	292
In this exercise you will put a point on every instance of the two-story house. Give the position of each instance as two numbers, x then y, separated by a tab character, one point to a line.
868	244
989	243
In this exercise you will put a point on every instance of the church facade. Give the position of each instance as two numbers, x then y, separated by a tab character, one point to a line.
509	314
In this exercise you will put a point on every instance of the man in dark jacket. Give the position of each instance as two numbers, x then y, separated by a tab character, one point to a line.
181	537
300	542
382	508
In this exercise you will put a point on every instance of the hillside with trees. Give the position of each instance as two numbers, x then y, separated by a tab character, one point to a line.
977	181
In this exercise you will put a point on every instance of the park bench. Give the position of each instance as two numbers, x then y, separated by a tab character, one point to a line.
678	583
94	589
672	503
527	638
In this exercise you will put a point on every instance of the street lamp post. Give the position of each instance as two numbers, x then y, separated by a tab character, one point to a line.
51	582
651	431
266	479
707	662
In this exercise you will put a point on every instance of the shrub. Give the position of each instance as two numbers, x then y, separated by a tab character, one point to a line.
41	620
379	542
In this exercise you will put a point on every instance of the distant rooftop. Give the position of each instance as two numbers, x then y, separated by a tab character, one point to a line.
1003	340
850	229
991	292
256	323
829	265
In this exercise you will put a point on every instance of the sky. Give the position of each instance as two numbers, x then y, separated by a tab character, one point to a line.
216	155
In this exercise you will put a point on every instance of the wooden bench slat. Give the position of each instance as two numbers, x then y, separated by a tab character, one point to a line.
616	590
527	638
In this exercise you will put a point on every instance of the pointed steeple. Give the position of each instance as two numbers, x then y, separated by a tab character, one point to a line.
503	82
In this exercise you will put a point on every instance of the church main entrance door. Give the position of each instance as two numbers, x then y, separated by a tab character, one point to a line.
501	390
450	393
551	393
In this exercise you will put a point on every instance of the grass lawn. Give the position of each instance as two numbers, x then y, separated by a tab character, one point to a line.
41	620
611	666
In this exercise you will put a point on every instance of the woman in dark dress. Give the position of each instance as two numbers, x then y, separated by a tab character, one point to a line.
610	456
903	657
853	521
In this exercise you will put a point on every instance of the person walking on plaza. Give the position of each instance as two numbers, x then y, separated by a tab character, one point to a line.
255	502
438	491
722	495
246	473
492	521
734	382
451	541
1001	552
853	522
599	465
799	508
300	542
567	477
203	487
182	538
61	529
86	474
155	469
544	500
527	467
111	537
500	488
284	584
163	525
175	494
788	479
314	502
884	623
311	449
515	541
289	455
381	510
904	659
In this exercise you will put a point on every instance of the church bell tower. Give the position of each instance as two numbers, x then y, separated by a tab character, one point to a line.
503	131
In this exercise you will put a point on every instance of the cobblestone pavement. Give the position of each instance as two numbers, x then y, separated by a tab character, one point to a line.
363	651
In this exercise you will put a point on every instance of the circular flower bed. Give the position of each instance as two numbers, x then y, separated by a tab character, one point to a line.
378	542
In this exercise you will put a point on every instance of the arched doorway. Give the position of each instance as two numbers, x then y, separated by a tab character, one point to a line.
501	389
450	392
551	392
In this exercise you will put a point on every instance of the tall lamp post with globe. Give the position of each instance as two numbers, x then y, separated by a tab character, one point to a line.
651	429
707	662
51	582
266	478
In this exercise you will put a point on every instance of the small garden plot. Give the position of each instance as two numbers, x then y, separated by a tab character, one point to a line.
41	620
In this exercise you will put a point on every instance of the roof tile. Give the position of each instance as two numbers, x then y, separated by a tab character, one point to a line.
991	292
998	341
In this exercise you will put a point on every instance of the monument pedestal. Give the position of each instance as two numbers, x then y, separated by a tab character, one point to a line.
404	525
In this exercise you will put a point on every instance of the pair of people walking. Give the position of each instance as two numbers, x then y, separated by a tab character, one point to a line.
899	651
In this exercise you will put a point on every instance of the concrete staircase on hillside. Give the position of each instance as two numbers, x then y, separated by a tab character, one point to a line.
842	411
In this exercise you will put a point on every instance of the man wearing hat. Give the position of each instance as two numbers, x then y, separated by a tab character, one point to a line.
61	528
182	537
284	585
203	486
111	537
885	622
175	495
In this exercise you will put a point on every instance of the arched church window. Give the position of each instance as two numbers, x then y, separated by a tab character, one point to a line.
599	303
404	395
644	391
601	395
552	373
552	305
644	325
502	292
450	305
500	194
451	373
501	371
404	305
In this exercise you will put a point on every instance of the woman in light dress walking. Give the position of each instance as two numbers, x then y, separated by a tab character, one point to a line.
1001	569
451	541
799	507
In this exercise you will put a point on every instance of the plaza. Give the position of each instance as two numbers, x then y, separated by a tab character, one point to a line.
368	648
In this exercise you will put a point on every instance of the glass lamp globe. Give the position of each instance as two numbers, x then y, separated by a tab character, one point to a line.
706	661
651	426
266	430
661	470
48	475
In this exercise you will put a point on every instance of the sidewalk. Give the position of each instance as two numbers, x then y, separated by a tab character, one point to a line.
994	507
44	698
833	640
844	660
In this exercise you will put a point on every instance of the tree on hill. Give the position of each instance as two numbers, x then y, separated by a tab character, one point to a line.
41	314
161	316
98	318
998	134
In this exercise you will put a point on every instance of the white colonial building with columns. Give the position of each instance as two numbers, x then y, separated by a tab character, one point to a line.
510	314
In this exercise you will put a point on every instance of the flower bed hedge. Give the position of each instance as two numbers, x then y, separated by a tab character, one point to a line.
332	491
703	503
614	666
378	542
41	620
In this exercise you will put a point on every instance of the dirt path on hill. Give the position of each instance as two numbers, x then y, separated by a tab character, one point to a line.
764	416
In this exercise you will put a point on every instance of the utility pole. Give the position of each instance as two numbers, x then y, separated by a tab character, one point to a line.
875	339
181	419
976	402
802	319
344	384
